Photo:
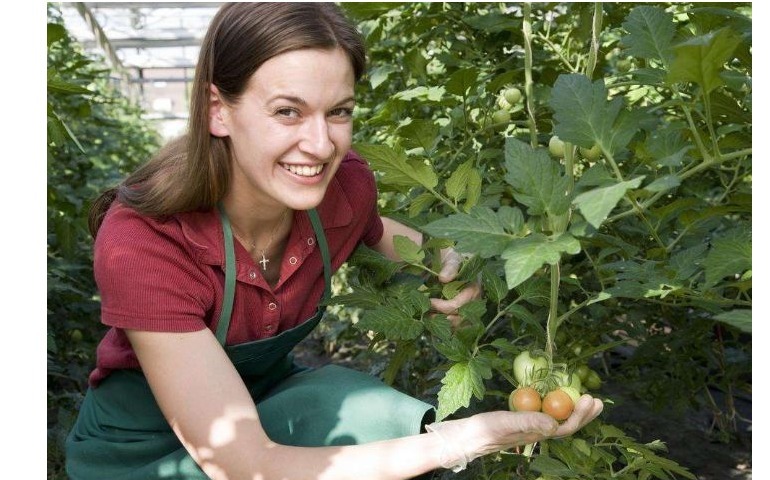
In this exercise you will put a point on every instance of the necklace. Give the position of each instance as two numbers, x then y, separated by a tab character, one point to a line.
264	261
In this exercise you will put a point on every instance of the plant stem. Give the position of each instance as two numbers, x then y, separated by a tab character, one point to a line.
553	311
596	30
528	84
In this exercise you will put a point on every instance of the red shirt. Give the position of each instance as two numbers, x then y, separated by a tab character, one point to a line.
168	276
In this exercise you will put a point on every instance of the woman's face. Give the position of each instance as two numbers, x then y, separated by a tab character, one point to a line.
290	129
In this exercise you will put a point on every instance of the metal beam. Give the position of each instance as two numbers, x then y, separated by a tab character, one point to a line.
153	5
144	42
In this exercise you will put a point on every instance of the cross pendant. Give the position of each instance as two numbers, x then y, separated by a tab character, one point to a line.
264	261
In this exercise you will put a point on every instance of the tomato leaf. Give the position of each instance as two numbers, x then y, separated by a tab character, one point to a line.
391	322
596	204
650	32
536	178
396	169
526	255
458	182
457	389
740	319
419	134
408	250
550	466
481	231
461	81
729	255
701	59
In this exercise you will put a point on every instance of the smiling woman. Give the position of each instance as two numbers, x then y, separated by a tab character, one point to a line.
195	378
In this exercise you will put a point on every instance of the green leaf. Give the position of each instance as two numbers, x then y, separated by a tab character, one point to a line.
55	33
740	319
480	231
433	94
536	179
408	250
458	182
525	256
461	381
650	32
666	182
730	255
701	59
596	204
550	466
472	190
397	170
462	80
421	203
439	326
419	134
379	75
368	10
492	22
391	322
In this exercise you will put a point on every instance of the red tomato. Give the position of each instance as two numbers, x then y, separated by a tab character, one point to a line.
524	399
558	404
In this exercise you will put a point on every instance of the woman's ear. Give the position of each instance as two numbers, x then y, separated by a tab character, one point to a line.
217	113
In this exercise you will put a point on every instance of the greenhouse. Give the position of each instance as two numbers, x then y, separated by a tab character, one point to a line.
422	240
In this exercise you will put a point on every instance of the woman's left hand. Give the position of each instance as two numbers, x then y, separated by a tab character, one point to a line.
451	261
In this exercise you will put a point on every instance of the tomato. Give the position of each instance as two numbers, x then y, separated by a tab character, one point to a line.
524	399
593	381
582	372
512	95
568	380
527	368
503	103
556	146
501	116
573	393
76	335
558	404
592	153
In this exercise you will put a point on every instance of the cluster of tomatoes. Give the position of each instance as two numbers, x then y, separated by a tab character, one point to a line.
506	102
541	389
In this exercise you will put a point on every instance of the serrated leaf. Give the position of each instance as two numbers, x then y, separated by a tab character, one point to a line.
729	255
701	59
473	310
473	190
419	134
550	466
462	381
420	203
391	322
480	231
439	326
432	94
462	80
650	32
396	168
55	32
668	147
536	179
664	183
457	183
596	204
526	255
408	250
494	285
379	75
740	319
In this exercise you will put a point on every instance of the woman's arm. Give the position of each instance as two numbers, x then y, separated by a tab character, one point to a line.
210	410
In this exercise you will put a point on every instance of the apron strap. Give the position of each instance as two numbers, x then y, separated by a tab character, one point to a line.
227	302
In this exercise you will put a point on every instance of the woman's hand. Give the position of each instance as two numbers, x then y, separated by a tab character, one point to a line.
484	433
451	261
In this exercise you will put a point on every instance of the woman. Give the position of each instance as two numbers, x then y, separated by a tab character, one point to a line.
211	260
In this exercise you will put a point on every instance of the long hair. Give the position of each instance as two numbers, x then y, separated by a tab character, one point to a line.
192	172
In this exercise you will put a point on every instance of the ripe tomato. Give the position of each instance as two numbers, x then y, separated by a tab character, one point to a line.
524	399
556	146
527	368
558	404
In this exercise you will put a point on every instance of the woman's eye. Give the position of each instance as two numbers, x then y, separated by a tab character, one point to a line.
342	112
287	112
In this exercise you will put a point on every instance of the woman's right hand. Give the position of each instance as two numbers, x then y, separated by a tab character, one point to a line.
484	433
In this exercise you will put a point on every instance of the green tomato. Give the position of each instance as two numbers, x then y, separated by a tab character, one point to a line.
501	116
582	372
593	381
592	153
565	379
512	95
556	147
76	335
573	393
527	368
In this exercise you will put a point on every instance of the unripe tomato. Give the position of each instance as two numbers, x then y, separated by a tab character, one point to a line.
501	116
573	393
592	153
76	335
558	404
582	372
527	368
512	95
556	146
593	381
524	399
503	103
568	380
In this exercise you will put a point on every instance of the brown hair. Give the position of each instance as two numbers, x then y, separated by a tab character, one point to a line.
192	172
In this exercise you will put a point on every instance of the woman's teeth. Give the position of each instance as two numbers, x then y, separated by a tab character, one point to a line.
304	170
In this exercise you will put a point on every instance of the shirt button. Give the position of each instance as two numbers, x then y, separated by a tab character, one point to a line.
252	274
268	328
311	241
293	260
271	306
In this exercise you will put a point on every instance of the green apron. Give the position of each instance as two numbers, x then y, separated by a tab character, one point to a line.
120	432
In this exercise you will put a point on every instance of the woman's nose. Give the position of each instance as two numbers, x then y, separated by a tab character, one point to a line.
316	140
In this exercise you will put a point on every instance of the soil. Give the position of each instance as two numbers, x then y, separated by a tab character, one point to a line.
689	437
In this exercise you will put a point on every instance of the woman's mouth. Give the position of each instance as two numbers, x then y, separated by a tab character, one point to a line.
304	170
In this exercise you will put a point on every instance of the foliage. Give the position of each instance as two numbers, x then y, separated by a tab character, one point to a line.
638	260
95	136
